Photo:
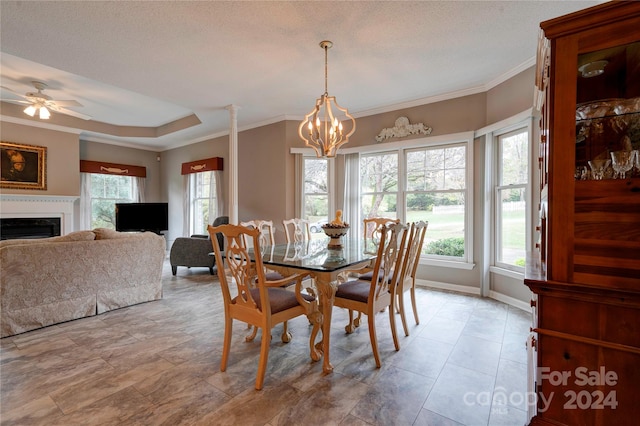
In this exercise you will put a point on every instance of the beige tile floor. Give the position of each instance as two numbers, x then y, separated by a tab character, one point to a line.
158	363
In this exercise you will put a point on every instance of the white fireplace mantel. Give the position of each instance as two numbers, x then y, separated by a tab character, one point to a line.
27	206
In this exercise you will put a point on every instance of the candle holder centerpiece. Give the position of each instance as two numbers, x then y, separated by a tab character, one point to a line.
335	230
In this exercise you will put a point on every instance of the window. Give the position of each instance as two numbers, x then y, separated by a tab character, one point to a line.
202	208
436	182
430	183
106	191
511	199
315	194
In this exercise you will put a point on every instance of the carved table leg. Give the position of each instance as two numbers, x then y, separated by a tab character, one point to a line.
327	289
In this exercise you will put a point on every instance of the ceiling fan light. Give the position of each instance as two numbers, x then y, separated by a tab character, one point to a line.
44	113
30	110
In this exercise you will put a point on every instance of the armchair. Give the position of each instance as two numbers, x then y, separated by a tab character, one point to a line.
194	251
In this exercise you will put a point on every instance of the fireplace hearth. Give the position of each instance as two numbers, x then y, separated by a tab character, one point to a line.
37	227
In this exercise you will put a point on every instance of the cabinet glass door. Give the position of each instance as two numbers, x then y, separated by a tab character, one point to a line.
608	114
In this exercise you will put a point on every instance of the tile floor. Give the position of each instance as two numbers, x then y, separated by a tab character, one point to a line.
158	363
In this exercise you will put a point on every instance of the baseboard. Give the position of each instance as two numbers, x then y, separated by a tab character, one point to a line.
510	301
447	286
474	291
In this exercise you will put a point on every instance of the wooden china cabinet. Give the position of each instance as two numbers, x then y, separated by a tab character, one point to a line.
585	272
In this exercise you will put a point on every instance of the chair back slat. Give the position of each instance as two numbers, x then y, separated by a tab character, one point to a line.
388	260
414	259
414	248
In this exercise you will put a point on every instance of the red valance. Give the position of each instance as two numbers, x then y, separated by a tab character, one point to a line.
206	165
87	166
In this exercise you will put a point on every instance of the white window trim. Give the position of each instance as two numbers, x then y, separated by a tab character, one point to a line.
524	120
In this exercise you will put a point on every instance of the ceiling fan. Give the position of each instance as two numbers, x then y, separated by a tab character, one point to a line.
40	103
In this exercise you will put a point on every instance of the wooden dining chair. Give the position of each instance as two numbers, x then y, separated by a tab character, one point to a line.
372	296
372	226
263	305
266	238
407	279
297	230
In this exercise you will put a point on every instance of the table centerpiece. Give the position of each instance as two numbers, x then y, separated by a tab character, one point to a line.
335	230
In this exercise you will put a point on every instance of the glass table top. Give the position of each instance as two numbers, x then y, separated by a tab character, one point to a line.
314	255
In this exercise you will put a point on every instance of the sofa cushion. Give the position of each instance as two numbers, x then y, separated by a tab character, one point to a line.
73	236
109	234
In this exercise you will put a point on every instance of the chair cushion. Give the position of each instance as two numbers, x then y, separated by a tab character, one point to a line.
357	290
273	276
368	276
280	299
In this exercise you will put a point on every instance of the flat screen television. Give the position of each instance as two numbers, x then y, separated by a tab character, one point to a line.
139	217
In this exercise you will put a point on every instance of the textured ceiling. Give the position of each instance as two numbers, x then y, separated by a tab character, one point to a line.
148	64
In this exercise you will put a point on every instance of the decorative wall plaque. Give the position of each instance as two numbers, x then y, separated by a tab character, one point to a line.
403	129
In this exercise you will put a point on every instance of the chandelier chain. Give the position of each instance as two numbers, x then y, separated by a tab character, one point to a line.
326	68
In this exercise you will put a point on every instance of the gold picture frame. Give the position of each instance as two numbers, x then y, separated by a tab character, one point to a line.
23	166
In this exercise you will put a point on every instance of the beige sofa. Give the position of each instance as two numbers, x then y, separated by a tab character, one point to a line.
52	280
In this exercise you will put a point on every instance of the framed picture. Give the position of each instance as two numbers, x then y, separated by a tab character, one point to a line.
23	166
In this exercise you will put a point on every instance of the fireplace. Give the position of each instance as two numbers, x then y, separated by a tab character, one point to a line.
32	209
36	227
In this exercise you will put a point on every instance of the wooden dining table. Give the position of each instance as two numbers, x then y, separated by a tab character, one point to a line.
324	264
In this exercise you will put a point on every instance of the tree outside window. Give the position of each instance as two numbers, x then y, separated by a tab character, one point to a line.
379	185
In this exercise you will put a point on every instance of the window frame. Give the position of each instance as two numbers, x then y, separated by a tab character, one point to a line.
499	187
463	138
300	175
398	193
193	199
522	121
133	188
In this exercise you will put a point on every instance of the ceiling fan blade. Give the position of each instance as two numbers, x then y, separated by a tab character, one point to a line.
15	101
67	103
72	113
13	92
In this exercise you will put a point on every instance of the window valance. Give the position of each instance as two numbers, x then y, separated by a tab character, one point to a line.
87	166
206	165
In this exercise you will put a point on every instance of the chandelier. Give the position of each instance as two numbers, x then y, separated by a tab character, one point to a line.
321	129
